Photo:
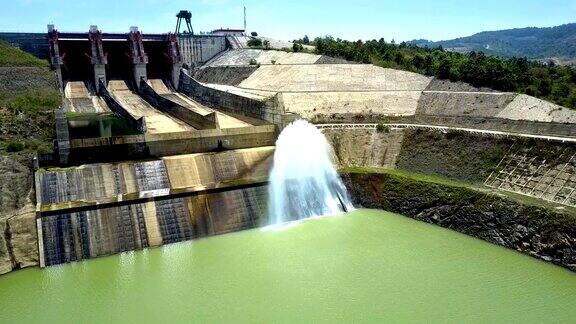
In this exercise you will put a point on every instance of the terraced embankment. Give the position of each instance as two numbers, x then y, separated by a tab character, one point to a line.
352	93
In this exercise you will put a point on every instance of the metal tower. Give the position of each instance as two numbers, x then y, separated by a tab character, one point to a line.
186	15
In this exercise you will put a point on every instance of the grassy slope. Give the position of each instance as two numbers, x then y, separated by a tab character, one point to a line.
11	56
28	96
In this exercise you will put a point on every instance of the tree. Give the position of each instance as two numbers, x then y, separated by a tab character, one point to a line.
254	42
553	82
444	69
297	47
254	34
306	40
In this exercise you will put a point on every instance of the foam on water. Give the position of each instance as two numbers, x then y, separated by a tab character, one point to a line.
303	181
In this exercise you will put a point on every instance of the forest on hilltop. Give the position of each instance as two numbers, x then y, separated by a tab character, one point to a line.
550	43
544	80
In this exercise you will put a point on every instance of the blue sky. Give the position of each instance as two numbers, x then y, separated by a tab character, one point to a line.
355	19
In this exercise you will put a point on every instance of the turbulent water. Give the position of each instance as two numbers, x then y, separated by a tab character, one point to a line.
303	181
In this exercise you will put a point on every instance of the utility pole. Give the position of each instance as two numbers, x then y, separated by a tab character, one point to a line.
245	19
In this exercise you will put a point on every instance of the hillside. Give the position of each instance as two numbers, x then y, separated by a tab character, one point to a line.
554	83
28	96
553	43
11	56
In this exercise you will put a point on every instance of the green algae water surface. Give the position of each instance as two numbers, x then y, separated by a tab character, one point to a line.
367	266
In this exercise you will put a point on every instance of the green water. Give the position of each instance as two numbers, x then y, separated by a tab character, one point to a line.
368	266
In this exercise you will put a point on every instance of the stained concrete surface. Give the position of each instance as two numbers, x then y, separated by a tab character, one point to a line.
156	121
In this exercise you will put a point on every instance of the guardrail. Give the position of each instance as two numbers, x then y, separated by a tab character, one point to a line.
446	129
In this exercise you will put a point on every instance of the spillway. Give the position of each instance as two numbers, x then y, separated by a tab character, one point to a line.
138	162
81	235
106	208
156	122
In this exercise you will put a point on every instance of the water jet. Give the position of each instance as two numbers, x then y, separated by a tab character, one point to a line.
303	180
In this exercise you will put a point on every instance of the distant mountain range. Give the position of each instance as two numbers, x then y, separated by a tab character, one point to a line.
553	43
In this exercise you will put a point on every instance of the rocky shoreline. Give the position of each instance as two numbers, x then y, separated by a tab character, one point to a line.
543	233
18	235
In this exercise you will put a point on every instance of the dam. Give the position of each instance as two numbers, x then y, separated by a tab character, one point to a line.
347	191
145	155
169	137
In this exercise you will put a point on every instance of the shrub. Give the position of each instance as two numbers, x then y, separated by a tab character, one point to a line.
254	34
297	47
253	62
254	42
381	128
14	146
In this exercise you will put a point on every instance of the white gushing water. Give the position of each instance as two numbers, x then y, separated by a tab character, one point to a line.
303	181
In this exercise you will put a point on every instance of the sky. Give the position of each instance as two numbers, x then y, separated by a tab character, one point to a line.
286	20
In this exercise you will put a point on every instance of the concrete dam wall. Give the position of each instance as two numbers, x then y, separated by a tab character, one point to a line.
99	209
87	234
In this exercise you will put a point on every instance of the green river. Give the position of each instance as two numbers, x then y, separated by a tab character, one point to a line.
366	266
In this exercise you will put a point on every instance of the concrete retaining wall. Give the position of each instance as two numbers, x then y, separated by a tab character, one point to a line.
101	209
269	110
165	144
481	123
199	49
229	75
82	235
139	124
173	109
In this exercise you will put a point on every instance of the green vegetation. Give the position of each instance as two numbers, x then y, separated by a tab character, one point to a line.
11	56
443	191
543	80
255	42
535	43
14	146
381	128
304	40
28	97
297	47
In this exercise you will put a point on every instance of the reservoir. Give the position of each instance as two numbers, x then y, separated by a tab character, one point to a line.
365	266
